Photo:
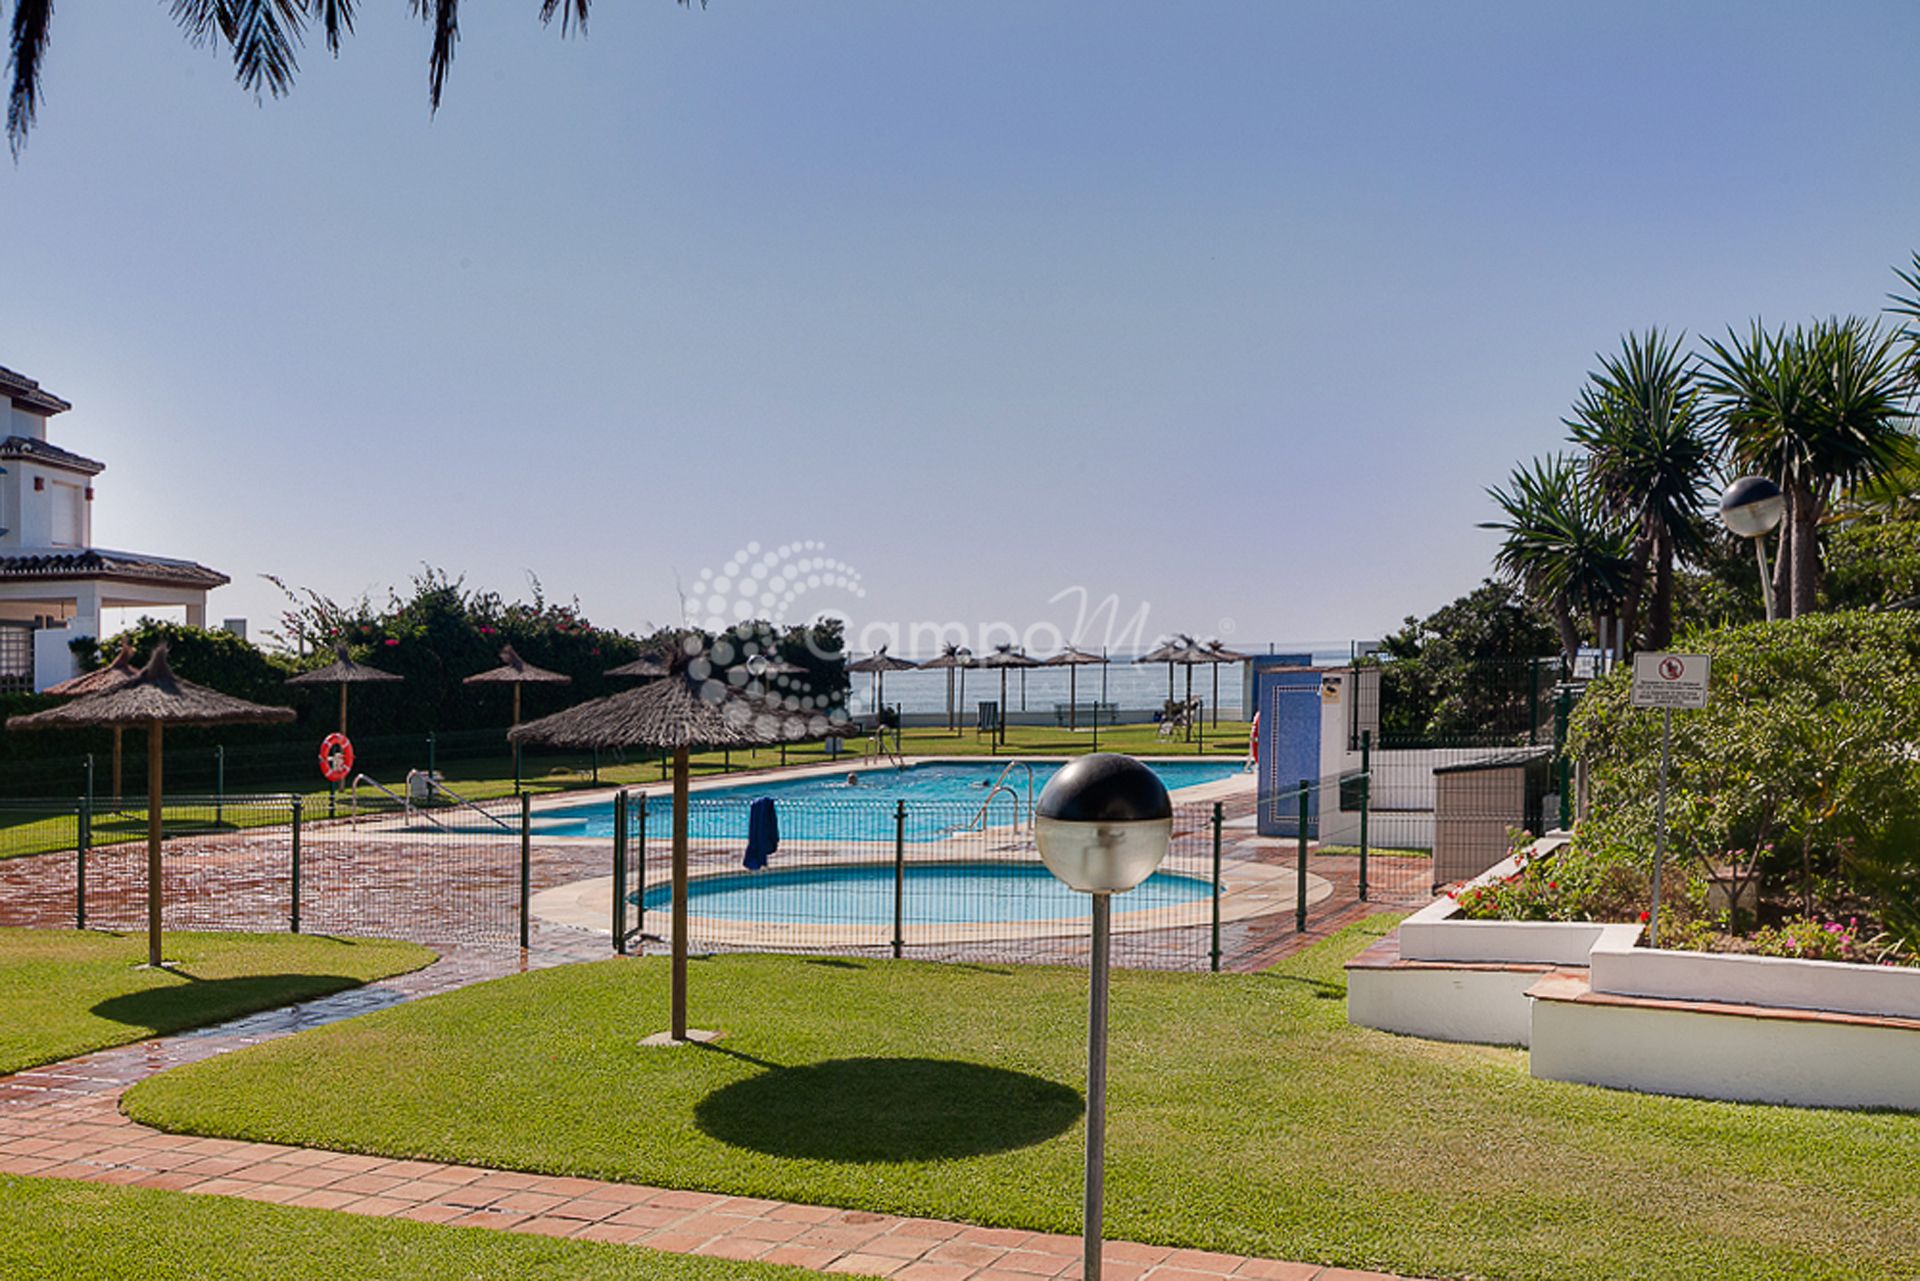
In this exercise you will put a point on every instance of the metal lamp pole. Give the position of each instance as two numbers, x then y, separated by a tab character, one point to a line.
1094	1213
1103	824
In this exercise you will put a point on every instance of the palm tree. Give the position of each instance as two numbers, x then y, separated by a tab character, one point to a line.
1650	452
1562	546
1820	408
263	36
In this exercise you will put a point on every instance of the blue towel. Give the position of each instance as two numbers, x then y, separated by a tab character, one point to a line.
763	833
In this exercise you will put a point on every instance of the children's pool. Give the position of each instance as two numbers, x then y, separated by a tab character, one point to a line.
933	894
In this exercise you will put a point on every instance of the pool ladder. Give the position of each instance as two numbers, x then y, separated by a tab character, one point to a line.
1000	784
405	803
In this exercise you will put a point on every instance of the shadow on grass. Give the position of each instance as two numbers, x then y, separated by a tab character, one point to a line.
888	1110
201	1001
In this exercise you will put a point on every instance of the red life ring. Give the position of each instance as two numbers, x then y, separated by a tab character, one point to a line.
336	758
1253	740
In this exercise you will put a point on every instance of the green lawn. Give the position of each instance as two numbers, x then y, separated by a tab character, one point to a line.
65	992
1247	1115
52	1230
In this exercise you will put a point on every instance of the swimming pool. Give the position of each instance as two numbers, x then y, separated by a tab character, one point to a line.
934	894
940	798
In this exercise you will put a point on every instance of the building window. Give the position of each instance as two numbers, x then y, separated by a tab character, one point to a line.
16	659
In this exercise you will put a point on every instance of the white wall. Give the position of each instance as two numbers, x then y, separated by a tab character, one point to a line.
1725	1056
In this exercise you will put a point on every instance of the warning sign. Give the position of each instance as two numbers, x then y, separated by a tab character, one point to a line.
1670	680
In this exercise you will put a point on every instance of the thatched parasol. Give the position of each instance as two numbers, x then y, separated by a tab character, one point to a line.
1073	660
1167	652
342	671
118	672
1217	653
647	667
153	697
955	658
516	671
880	663
691	708
1003	657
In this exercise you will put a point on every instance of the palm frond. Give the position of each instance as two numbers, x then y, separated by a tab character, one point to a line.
26	46
444	17
262	34
572	13
336	20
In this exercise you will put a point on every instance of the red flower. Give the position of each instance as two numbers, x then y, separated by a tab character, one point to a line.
1643	916
390	641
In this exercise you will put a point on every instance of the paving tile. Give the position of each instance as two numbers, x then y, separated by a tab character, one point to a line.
648	1217
1006	1238
878	1265
1033	1263
612	1233
322	1199
1132	1252
488	1219
928	1271
432	1213
800	1256
735	1247
809	1214
675	1241
900	1245
1203	1261
967	1252
384	1207
587	1209
525	1202
1275	1270
542	1225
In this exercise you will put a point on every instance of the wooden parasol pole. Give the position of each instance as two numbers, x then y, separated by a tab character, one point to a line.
153	843
680	769
343	709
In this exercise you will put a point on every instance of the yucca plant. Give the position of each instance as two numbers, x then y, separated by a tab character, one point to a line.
1820	408
1650	454
1562	546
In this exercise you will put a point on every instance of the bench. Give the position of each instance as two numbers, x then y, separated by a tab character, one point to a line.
1083	713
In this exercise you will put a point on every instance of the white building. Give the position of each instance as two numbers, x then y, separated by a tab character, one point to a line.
53	581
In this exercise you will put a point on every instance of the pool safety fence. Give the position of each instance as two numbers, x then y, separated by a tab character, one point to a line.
270	863
936	880
204	763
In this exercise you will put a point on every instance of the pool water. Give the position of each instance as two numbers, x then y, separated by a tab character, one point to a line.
935	894
940	798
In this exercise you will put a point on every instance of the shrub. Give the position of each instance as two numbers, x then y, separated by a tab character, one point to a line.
1803	774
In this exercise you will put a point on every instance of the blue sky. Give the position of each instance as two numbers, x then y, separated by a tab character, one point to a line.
1230	311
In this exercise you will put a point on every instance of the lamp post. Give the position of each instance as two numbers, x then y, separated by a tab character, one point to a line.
1103	824
1751	508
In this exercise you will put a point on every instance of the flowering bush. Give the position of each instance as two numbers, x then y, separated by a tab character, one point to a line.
1816	940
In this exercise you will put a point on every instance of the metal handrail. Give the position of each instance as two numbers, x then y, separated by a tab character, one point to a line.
1000	784
436	785
978	823
404	803
1025	765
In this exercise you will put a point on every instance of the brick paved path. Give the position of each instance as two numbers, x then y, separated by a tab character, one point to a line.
63	1121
